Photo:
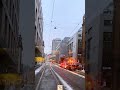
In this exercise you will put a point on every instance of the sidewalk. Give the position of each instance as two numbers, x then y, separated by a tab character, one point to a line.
39	69
81	72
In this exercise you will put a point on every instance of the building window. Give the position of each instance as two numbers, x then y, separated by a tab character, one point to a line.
107	45
107	36
107	39
36	13
107	22
72	46
79	35
107	12
79	43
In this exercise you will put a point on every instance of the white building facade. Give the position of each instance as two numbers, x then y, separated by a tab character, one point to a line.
62	48
39	43
75	45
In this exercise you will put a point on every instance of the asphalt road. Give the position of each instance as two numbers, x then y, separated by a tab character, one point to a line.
75	81
48	82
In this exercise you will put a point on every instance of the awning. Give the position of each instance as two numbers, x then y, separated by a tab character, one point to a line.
39	59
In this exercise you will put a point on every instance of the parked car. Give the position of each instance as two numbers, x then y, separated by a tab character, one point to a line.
63	65
79	66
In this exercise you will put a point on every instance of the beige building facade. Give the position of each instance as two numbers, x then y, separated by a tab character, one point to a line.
39	43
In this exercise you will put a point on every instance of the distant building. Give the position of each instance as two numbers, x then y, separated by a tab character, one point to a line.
55	43
75	45
99	47
62	48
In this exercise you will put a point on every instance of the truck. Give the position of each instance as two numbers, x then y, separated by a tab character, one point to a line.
70	63
63	62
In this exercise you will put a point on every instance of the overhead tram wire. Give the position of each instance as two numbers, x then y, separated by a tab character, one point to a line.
53	10
75	27
51	22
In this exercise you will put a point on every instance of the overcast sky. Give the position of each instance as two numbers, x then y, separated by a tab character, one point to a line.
67	18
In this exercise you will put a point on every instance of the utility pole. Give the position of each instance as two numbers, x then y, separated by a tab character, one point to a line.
116	45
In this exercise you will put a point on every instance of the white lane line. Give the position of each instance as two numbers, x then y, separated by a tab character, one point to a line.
39	69
71	72
40	80
54	76
63	81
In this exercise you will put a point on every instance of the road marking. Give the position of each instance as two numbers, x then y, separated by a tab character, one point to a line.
63	81
39	69
59	87
71	72
54	76
40	79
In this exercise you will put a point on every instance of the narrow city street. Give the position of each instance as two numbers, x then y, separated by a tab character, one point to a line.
46	79
59	44
51	76
74	80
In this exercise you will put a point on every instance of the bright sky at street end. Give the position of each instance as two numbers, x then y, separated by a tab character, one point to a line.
66	16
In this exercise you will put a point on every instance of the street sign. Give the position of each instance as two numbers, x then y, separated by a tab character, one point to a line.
59	87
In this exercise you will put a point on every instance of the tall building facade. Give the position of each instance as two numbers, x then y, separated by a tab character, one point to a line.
75	45
27	29
116	45
55	43
10	38
31	28
93	8
39	43
62	48
83	41
98	33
